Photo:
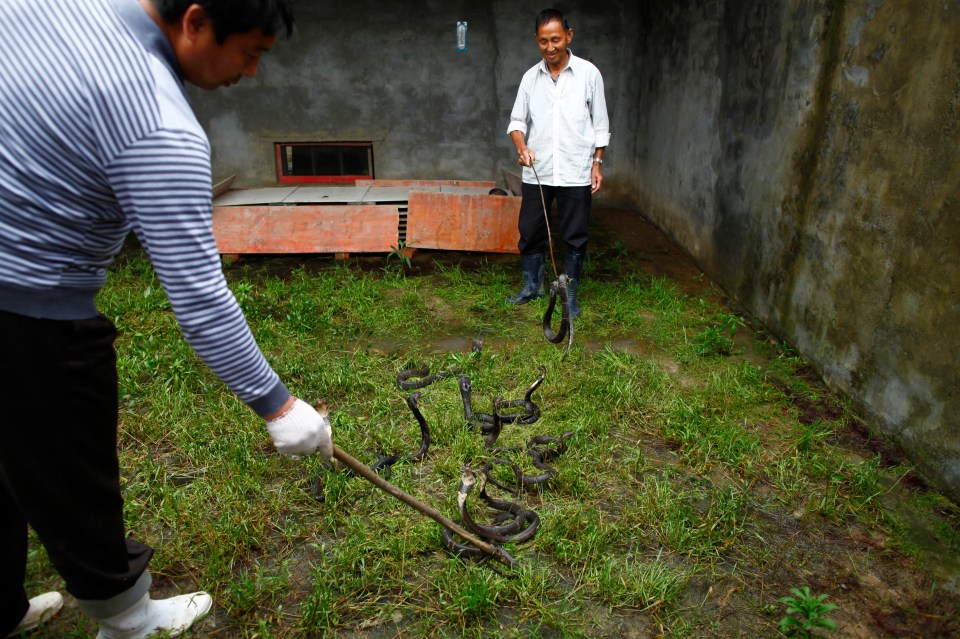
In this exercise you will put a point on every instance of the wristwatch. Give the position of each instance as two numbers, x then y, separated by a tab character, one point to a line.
598	160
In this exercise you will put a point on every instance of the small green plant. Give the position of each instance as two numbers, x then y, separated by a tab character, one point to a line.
246	297
718	339
400	252
806	612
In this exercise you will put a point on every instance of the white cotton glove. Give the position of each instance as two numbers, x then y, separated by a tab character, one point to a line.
302	430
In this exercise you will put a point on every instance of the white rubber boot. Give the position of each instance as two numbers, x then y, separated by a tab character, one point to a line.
42	607
171	616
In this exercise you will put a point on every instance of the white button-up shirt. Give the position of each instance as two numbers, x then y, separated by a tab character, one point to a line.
563	121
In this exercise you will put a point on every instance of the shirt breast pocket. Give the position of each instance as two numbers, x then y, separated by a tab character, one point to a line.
576	110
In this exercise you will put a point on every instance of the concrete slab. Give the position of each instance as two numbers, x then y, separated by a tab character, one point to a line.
252	197
387	194
466	190
326	195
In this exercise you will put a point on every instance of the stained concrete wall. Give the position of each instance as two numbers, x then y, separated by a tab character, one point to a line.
805	154
389	73
802	151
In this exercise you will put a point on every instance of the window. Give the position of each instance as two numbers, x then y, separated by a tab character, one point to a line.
304	162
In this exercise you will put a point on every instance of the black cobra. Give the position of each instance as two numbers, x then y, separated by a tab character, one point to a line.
515	531
405	376
384	463
523	526
539	450
508	509
530	414
558	288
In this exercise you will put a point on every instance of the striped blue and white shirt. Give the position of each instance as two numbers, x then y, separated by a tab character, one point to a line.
97	138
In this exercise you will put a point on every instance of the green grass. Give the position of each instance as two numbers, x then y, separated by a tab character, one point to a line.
690	472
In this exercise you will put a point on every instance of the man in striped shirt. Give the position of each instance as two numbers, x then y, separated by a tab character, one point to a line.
97	138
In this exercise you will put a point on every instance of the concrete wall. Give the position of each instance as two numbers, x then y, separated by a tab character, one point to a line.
805	154
389	73
802	151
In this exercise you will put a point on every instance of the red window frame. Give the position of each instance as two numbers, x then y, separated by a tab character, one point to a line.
279	152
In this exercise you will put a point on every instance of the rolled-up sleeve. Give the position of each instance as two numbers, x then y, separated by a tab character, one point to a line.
598	114
521	109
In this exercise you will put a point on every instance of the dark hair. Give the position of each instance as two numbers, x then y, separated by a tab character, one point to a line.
234	16
549	15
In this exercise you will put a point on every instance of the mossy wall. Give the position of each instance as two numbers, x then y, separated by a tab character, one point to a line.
805	154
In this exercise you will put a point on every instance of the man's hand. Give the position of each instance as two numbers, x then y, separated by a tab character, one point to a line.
596	178
300	430
526	156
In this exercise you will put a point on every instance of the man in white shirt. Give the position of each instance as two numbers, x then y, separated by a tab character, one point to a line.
560	128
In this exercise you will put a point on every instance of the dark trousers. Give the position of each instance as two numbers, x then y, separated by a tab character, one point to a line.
59	472
573	211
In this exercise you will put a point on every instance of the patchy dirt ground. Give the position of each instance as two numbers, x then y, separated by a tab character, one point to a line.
880	592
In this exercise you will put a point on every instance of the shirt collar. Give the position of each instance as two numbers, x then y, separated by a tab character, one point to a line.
146	31
570	63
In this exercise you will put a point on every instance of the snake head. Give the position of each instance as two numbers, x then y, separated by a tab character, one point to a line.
465	384
468	479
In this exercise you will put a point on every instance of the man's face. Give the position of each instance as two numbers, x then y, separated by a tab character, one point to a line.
553	42
209	64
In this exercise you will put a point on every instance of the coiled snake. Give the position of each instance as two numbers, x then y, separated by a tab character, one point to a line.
521	524
530	414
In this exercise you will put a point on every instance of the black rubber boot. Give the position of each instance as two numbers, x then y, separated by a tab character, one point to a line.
533	266
575	274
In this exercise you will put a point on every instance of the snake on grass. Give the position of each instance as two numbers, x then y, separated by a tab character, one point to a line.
384	463
558	288
492	424
540	451
406	378
530	414
513	523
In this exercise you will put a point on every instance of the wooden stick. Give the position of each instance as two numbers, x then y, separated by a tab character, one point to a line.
361	469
